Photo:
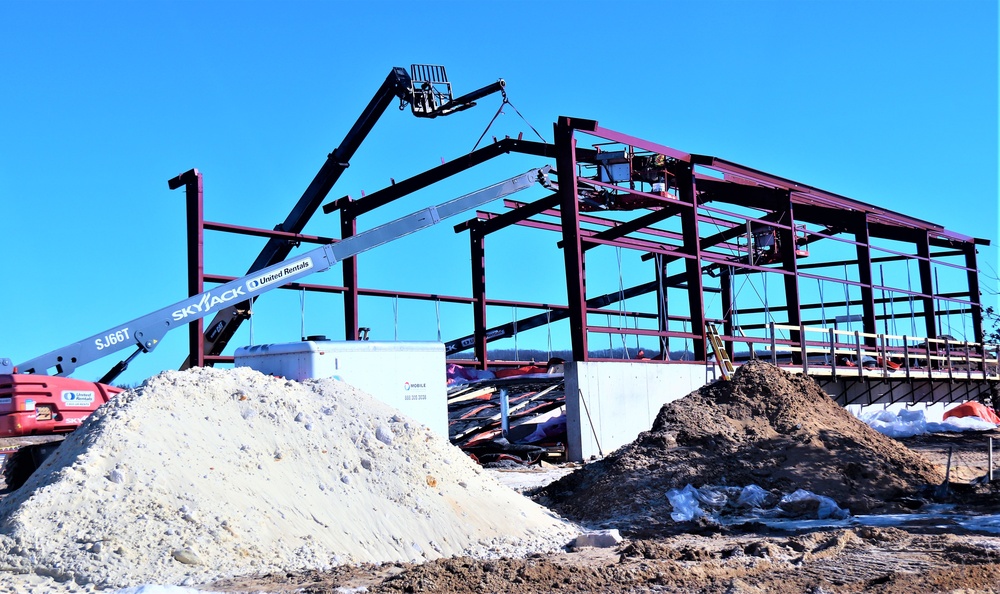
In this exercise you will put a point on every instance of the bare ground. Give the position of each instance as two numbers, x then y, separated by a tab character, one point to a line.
767	428
855	560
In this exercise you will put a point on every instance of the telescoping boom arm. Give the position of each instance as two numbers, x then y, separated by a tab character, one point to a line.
428	92
147	331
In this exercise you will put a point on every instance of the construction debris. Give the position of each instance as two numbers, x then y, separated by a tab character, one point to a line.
766	428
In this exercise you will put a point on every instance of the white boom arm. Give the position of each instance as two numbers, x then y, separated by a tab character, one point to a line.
147	331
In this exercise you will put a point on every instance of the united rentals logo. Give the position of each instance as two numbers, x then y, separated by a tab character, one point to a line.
77	398
278	275
211	300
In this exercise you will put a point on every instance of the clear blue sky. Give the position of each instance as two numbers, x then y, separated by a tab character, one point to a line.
891	103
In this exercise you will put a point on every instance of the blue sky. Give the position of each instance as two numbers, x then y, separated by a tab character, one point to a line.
891	103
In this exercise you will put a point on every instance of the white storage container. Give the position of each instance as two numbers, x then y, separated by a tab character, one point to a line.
409	376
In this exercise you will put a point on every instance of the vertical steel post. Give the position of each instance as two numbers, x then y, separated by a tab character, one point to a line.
477	248
688	193
833	353
791	281
974	296
573	255
195	224
662	307
926	284
348	228
863	240
726	284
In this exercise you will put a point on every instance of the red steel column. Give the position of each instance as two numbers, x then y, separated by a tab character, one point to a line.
569	209
662	306
688	193
195	215
349	227
974	296
477	245
926	284
863	239
789	263
726	284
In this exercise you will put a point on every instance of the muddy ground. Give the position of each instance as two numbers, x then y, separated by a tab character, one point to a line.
766	428
885	560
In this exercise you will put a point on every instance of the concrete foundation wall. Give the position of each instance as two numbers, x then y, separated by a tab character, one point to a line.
609	403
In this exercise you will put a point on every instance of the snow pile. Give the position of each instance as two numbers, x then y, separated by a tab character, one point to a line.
208	473
907	423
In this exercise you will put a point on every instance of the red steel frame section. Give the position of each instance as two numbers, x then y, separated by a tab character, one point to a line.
782	200
194	200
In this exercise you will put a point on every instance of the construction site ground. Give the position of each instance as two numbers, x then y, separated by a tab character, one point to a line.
928	556
765	427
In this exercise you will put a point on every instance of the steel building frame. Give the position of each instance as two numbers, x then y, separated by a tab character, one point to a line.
716	219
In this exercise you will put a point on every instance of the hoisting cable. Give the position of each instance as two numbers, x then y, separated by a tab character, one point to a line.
635	322
302	312
517	355
395	317
611	340
822	302
548	327
506	101
664	301
437	310
909	289
622	317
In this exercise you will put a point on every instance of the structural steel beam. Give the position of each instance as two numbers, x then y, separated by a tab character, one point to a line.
789	260
865	276
688	194
573	255
726	283
974	295
194	194
640	223
477	247
926	284
432	176
522	213
348	228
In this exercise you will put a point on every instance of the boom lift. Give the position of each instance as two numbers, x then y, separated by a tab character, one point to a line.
427	91
146	332
33	402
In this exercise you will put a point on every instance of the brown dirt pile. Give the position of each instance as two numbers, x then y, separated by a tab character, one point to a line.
884	560
765	427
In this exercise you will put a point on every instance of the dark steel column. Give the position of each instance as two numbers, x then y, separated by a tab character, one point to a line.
790	263
926	284
688	194
477	244
349	227
576	284
726	284
863	239
974	296
195	209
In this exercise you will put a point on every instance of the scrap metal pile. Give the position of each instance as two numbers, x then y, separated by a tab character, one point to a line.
536	419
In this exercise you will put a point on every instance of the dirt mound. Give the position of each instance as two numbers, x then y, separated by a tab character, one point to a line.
765	427
207	473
